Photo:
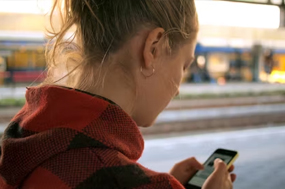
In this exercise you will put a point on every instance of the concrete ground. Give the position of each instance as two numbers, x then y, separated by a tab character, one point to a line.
261	164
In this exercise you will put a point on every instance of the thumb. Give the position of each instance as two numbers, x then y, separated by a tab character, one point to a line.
220	166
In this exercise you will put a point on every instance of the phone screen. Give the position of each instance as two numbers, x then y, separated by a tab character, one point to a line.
201	176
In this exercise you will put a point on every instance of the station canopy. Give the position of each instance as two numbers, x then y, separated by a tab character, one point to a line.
274	2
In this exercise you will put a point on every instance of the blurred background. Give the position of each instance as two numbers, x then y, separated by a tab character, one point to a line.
233	95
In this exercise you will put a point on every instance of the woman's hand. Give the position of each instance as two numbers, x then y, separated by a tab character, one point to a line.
221	177
184	170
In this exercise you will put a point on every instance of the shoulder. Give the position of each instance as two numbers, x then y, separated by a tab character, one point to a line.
76	168
100	168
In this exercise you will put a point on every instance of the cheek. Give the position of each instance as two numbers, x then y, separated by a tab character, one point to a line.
175	77
178	75
170	76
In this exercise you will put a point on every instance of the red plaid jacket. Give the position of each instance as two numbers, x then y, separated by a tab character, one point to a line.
65	138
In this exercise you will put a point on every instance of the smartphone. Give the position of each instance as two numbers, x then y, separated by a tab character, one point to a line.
228	156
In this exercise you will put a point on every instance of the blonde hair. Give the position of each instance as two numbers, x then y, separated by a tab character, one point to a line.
102	27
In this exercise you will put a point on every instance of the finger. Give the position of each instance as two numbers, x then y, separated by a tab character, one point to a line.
220	166
232	168
233	177
192	163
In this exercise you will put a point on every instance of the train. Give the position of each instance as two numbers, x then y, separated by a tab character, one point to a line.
223	64
23	61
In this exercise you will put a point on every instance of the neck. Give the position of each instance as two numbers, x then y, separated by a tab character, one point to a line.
119	89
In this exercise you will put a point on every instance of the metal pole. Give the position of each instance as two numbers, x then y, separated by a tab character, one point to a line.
282	14
257	62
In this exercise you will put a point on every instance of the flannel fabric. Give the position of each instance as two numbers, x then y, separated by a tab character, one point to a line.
66	138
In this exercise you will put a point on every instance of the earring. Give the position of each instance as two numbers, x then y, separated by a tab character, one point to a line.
146	76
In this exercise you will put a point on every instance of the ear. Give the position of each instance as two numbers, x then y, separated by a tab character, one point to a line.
151	48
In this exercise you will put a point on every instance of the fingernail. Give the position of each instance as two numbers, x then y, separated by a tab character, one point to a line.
218	160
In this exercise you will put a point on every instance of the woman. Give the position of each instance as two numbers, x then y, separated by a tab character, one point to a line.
79	129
